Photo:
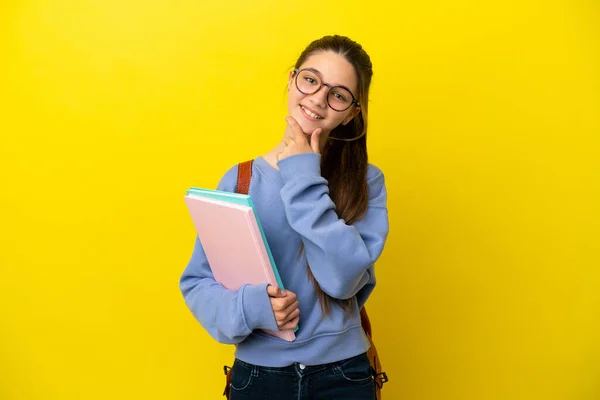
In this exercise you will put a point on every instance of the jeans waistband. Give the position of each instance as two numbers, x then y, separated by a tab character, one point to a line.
297	367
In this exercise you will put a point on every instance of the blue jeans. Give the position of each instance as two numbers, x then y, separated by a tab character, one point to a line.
350	379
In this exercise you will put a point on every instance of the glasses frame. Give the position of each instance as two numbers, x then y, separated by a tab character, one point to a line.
329	87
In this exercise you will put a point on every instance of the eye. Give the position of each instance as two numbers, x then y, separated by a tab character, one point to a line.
339	96
310	80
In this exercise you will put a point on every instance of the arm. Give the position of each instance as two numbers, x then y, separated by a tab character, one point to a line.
229	316
340	256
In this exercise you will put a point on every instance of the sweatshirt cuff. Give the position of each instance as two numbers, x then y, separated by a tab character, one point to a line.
257	308
303	164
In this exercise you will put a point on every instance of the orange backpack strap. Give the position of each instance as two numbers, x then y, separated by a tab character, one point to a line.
244	176
365	322
380	377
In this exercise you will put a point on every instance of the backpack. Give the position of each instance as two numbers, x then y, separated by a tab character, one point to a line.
243	187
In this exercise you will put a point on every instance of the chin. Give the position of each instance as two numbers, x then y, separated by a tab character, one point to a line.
306	126
308	131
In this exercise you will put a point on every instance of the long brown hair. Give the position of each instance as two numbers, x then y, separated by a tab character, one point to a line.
344	158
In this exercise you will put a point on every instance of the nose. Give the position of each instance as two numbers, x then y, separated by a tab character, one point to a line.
319	98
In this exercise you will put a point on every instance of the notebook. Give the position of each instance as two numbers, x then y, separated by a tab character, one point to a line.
233	241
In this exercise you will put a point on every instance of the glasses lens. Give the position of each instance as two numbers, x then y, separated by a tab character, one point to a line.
339	98
308	82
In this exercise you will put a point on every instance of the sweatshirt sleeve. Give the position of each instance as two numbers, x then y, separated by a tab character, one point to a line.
229	316
340	256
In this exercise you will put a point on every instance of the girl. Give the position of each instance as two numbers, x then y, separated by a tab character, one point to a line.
323	210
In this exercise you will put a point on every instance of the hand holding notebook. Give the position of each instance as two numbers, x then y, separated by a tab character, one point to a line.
233	240
285	307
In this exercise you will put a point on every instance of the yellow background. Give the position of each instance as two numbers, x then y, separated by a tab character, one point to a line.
484	118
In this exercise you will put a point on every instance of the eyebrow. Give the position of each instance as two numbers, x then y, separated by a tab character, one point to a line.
316	71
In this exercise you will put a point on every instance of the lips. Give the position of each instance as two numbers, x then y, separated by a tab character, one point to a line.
311	113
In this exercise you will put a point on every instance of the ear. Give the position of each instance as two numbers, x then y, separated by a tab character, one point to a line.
290	80
351	116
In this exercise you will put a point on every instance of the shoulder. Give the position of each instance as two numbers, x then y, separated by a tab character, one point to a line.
376	184
374	173
228	181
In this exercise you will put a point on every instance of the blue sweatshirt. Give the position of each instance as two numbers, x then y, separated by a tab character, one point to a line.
294	206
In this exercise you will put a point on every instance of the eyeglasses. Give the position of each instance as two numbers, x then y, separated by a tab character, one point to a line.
339	98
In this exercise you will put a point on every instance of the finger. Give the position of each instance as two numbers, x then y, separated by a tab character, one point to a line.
290	298
281	307
282	155
314	140
295	127
284	316
294	314
274	291
282	312
290	325
288	318
291	308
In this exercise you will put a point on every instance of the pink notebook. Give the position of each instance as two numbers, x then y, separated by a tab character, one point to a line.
233	244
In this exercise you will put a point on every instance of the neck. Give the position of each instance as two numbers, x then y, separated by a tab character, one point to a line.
271	156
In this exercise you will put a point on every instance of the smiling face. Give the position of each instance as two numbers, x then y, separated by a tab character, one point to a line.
311	110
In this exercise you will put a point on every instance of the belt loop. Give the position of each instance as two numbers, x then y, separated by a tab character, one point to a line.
336	368
255	369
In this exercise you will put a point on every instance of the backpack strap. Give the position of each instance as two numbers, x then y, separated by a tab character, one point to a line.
365	321
244	176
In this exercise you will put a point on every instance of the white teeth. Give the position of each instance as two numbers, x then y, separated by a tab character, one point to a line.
309	113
